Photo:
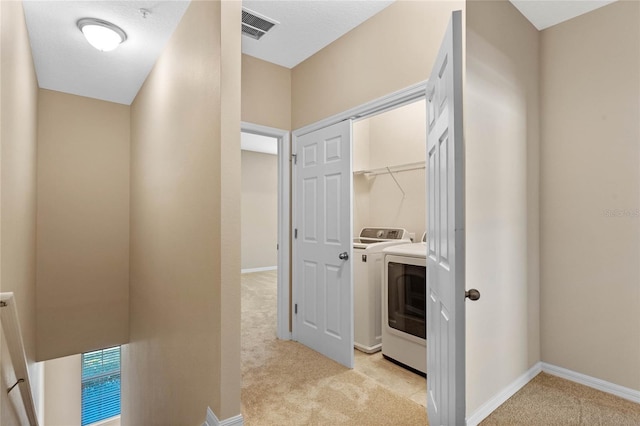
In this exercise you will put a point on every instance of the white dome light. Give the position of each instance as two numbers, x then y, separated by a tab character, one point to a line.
102	35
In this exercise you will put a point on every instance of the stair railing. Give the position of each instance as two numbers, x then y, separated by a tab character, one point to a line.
15	345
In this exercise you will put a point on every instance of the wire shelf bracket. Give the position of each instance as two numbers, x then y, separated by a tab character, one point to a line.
392	170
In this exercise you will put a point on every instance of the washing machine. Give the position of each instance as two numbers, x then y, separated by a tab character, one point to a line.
404	305
367	284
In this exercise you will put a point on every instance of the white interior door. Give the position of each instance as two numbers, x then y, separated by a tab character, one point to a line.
445	227
323	293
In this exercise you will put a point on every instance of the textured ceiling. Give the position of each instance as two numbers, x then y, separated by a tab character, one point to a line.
546	13
66	62
305	27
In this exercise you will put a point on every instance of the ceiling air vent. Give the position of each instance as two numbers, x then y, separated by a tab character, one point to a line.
255	25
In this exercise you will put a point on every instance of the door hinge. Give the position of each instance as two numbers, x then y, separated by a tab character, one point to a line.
295	309
294	158
295	233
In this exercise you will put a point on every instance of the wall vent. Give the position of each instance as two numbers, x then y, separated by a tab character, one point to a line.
255	25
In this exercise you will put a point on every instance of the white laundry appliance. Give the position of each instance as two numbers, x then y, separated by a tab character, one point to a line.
367	284
404	306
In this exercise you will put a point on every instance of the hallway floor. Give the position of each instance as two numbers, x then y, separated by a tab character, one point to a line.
401	381
285	383
550	400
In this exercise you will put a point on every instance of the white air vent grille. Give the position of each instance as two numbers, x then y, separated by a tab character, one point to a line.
255	25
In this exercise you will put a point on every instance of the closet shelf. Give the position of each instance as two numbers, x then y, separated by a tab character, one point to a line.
391	169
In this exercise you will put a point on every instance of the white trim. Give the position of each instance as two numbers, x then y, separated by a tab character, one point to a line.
212	420
498	399
106	421
592	382
262	269
368	349
488	407
233	421
371	108
284	224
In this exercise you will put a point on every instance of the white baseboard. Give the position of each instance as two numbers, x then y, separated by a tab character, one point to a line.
368	349
592	382
487	408
264	268
212	420
498	399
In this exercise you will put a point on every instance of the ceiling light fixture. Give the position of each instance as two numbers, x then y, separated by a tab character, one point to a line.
102	35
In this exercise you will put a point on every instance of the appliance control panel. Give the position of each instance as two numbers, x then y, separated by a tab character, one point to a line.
383	233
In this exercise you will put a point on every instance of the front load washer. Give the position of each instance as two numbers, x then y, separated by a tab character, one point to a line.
404	308
367	284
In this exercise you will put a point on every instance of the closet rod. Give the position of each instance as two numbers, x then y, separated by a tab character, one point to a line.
392	169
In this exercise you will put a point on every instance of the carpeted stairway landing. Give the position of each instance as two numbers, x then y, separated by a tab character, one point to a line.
285	383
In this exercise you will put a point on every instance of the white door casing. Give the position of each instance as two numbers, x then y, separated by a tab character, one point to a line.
284	191
446	238
322	290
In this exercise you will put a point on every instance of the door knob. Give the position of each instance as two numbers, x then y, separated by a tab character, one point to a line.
472	294
343	256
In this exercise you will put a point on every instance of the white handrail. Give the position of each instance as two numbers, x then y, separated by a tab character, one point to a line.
11	328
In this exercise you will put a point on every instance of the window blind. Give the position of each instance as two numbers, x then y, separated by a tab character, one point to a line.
100	385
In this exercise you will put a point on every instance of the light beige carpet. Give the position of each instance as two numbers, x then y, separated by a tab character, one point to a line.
550	400
285	383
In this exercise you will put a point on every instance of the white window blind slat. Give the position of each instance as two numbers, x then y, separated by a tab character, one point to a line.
100	385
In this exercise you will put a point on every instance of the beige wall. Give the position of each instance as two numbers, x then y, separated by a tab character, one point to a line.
230	227
266	93
502	165
392	50
259	210
590	186
83	224
185	252
361	184
63	402
63	390
18	133
394	138
399	137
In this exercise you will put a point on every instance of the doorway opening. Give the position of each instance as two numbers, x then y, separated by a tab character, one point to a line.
259	203
389	191
261	146
400	175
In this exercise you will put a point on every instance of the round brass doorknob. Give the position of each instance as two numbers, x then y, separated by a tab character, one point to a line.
343	256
